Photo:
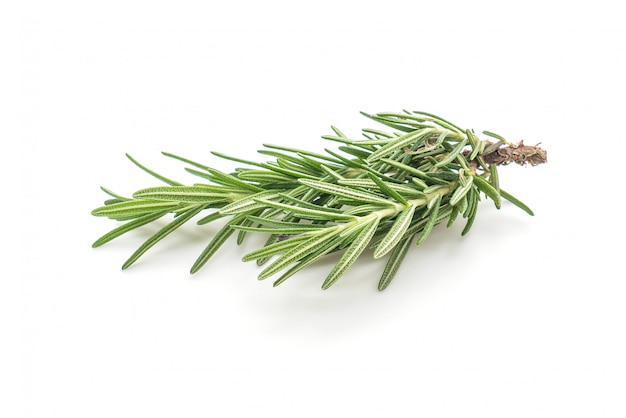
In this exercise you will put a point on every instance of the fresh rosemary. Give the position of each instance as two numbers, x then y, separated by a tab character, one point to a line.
382	192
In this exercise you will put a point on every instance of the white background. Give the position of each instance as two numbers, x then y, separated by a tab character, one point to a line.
525	316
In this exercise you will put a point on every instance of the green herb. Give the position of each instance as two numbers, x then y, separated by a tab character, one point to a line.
384	193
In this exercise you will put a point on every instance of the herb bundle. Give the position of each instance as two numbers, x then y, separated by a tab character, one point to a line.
385	191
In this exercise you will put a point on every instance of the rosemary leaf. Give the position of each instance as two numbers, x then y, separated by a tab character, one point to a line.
218	240
297	253
471	211
325	249
152	173
396	232
399	143
114	195
162	233
283	231
272	249
452	155
462	190
355	249
128	226
210	218
516	202
419	174
133	208
493	177
353	194
247	203
306	212
432	221
224	178
394	262
388	190
486	187
186	194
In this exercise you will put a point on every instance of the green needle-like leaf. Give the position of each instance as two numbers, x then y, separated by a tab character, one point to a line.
129	226
218	240
496	136
274	248
304	204
472	198
303	152
247	204
414	171
439	121
453	216
399	143
359	153
396	232
394	262
516	202
405	189
331	172
133	208
302	227
186	194
185	160
462	205
352	253
494	178
461	191
297	253
152	173
486	187
432	221
352	194
388	190
391	123
231	180
271	240
323	250
162	233
241	235
283	231
452	155
210	218
114	195
306	212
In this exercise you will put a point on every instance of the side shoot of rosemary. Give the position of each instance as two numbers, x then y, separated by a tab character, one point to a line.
385	192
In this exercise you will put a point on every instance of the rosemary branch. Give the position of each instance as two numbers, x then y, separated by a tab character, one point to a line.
382	192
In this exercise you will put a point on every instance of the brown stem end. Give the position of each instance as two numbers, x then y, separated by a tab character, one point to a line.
501	154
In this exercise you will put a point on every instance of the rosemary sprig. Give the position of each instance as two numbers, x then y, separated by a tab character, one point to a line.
383	192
